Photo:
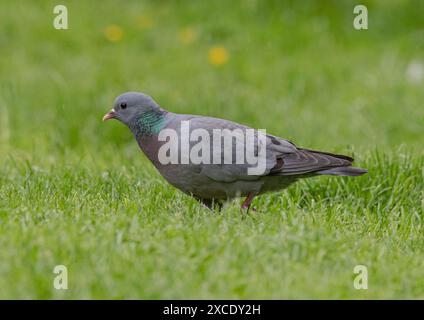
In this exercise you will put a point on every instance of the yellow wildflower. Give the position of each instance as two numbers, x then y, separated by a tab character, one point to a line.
114	33
218	55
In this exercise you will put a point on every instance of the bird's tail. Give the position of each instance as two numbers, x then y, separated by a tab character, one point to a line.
344	171
342	165
312	162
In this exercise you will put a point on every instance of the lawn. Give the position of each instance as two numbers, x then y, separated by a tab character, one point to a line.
78	192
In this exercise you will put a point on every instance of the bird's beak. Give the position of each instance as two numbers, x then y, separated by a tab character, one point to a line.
110	115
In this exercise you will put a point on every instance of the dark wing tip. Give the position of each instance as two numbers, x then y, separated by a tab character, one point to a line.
339	156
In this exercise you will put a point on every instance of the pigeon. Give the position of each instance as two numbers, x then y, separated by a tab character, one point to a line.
214	182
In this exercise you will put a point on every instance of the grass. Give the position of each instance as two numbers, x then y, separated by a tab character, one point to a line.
77	192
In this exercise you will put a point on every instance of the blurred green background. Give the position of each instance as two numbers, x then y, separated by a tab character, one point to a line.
78	192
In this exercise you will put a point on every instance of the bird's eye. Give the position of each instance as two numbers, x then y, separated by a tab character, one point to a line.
123	105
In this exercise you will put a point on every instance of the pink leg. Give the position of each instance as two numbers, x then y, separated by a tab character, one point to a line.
248	201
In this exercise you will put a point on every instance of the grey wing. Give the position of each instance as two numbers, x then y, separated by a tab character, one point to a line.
229	169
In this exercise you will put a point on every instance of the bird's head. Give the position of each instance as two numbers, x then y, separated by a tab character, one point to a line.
129	106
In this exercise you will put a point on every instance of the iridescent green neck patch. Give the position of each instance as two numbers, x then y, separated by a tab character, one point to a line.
150	122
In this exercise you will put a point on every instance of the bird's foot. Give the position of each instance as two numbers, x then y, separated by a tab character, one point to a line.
246	204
